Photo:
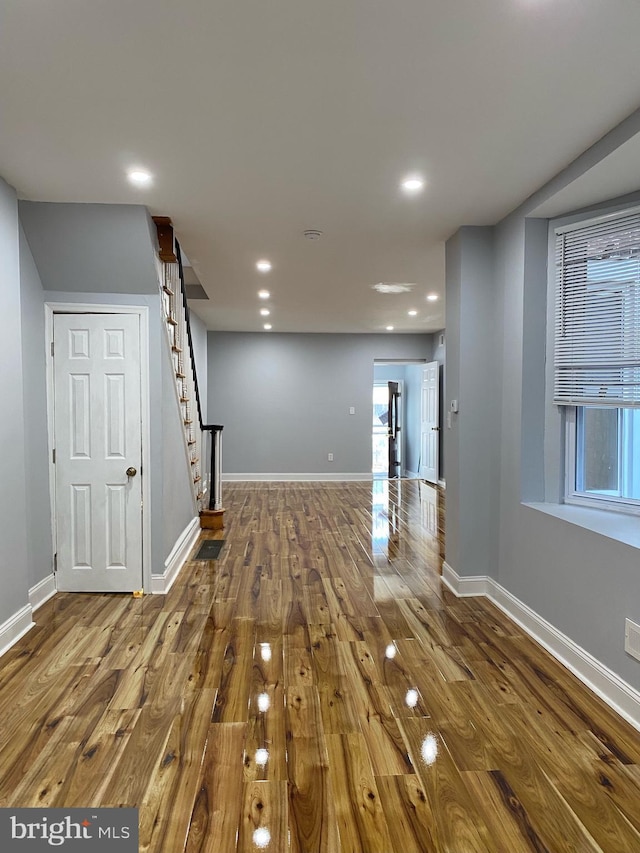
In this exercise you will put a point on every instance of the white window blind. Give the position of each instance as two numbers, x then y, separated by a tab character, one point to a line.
597	323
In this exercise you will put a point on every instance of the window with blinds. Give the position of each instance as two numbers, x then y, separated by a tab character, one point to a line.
597	319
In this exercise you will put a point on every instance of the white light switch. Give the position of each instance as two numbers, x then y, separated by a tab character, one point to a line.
352	410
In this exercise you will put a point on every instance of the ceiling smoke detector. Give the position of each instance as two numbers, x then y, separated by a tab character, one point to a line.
392	287
312	234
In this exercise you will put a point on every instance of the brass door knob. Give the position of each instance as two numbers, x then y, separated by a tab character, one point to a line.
131	472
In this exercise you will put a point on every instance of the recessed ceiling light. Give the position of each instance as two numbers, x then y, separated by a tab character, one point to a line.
263	266
432	297
267	326
412	184
412	313
264	294
389	328
392	287
139	177
265	312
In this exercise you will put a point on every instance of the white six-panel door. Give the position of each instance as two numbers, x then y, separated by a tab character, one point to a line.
97	438
429	423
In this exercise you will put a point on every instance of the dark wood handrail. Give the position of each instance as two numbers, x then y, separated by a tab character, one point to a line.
183	293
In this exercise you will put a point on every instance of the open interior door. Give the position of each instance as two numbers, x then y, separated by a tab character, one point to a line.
394	430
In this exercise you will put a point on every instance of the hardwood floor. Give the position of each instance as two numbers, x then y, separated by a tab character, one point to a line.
315	689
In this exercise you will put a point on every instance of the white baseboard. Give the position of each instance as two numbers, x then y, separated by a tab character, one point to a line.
464	587
42	591
161	584
286	478
443	484
617	693
16	626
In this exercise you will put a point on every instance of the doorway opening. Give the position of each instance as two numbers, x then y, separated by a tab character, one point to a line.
406	435
387	438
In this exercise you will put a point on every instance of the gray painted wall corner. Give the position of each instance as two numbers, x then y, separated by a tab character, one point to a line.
14	514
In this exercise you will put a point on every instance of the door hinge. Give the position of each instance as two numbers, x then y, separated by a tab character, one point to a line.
52	347
53	456
55	563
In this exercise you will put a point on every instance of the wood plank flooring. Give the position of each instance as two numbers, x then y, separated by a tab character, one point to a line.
315	690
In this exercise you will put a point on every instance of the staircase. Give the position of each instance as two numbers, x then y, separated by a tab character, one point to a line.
203	441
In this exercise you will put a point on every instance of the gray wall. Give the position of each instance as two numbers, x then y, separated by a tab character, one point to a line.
284	398
199	339
472	449
13	497
92	248
583	582
39	544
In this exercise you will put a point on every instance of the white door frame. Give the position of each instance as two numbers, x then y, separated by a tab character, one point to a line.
434	367
142	311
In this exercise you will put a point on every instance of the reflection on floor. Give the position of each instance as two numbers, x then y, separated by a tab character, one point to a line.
315	689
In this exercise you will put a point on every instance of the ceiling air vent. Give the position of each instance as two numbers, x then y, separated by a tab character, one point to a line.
392	287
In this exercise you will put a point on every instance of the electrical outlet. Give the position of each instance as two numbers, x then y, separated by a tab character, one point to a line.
330	457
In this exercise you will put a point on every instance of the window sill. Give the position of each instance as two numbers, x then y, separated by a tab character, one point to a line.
614	525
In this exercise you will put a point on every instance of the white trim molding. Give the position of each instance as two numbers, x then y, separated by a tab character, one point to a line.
617	693
42	591
464	587
286	478
15	627
161	584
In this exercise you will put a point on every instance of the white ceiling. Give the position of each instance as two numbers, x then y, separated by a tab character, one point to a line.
262	119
